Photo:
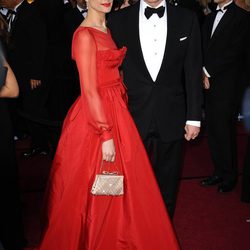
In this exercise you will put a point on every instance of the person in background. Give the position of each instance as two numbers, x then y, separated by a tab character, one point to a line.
224	46
11	226
120	4
74	17
245	192
27	56
10	88
69	4
200	7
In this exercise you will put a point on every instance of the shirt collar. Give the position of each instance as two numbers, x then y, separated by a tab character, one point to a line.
223	8
144	5
79	8
16	7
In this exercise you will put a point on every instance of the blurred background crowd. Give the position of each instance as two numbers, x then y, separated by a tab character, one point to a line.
35	38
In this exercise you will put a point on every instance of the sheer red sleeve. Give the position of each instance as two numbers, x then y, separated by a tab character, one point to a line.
84	52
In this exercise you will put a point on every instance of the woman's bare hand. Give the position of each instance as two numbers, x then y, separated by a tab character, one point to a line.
108	150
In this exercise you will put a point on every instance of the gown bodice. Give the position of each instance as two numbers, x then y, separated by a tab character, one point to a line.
108	57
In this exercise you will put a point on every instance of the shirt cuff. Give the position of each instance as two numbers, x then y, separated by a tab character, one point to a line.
193	123
205	71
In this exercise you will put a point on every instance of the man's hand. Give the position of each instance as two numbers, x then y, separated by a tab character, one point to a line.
35	83
191	132
206	83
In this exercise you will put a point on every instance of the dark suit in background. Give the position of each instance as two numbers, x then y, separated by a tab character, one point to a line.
245	193
27	52
161	108
193	5
63	87
245	76
11	226
11	230
73	18
223	53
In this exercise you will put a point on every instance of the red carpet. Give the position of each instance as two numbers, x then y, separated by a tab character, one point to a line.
207	220
204	219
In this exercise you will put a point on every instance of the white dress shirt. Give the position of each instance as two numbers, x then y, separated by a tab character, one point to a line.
153	34
153	38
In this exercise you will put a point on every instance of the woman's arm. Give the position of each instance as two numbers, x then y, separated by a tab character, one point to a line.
84	53
10	88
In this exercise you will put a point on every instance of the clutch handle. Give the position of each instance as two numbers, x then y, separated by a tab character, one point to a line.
108	172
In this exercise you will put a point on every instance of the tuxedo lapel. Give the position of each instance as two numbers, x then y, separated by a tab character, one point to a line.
211	19
134	45
18	13
78	15
207	29
226	19
172	20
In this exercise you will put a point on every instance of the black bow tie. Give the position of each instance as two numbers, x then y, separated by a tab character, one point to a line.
150	11
222	10
84	11
11	12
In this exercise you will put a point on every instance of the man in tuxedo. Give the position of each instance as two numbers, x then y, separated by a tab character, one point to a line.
74	17
225	43
27	51
162	72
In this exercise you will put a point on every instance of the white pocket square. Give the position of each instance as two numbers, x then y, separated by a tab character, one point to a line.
183	38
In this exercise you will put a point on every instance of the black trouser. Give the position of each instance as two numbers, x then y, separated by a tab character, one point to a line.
11	230
32	108
221	127
166	158
245	194
11	227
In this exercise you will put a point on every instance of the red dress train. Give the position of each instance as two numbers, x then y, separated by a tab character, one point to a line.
78	220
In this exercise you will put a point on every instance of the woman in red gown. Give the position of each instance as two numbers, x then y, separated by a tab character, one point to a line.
99	127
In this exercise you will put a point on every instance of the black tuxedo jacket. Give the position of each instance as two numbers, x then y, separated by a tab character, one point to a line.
225	51
176	94
73	18
28	45
53	13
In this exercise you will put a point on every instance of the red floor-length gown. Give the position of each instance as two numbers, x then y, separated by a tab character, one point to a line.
77	220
